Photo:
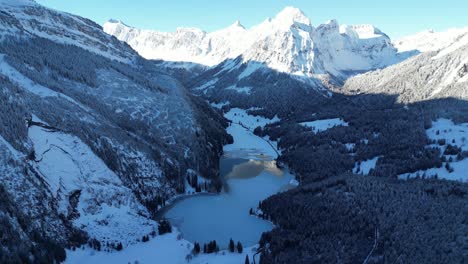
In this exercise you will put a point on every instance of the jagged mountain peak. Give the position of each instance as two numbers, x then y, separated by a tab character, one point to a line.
237	24
290	15
366	31
116	21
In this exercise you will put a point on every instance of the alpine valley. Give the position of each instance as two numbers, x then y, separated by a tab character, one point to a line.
285	142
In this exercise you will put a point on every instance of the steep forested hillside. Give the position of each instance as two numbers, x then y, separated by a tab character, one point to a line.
94	139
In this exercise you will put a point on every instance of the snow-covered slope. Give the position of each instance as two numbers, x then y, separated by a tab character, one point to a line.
286	43
437	74
430	40
93	139
64	28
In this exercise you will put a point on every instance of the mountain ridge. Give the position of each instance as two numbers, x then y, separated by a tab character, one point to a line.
295	56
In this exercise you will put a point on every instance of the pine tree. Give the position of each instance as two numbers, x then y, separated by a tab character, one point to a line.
196	248
164	227
231	245
119	246
247	261
239	247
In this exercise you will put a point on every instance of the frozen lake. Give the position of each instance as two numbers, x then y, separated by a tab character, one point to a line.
249	178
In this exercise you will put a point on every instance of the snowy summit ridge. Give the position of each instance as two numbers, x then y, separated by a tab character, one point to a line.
286	43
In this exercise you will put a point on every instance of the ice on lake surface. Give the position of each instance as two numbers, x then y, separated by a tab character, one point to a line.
224	216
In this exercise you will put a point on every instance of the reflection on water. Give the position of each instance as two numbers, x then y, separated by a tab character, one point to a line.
250	178
253	168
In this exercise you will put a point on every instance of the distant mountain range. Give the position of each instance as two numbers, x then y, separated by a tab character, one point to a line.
239	63
287	43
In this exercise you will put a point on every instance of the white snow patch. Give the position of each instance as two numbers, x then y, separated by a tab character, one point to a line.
167	249
246	90
365	166
209	84
453	134
251	68
350	146
219	105
460	169
324	124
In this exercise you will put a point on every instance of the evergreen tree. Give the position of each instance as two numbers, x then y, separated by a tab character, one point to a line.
231	245
164	227
119	246
239	247
247	261
196	248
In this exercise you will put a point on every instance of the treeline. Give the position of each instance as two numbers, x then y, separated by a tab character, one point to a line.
213	247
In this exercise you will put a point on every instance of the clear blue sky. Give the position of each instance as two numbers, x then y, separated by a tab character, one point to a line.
396	17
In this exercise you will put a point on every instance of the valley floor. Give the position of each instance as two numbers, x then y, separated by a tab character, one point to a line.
161	249
172	248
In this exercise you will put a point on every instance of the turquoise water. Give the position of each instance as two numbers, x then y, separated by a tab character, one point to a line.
224	216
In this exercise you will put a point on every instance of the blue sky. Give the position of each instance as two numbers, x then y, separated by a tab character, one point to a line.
397	17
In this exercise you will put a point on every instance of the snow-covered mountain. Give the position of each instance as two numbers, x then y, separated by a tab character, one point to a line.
435	74
286	43
93	139
430	40
281	63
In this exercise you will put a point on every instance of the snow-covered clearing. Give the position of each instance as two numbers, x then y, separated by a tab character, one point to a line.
460	172
241	129
455	135
245	90
324	124
365	166
165	249
237	115
219	105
